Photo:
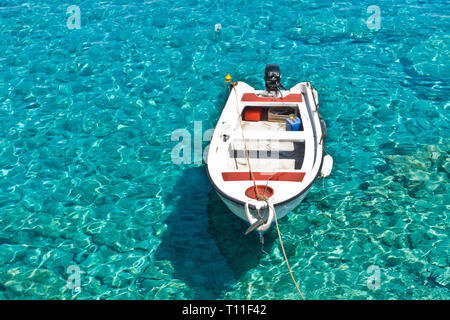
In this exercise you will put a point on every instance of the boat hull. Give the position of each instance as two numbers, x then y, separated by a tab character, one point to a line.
281	209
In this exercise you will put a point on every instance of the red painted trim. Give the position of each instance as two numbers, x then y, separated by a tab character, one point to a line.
293	97
264	176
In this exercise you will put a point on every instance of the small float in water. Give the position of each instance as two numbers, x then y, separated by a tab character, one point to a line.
267	149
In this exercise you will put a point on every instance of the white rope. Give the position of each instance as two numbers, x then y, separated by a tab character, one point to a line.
284	253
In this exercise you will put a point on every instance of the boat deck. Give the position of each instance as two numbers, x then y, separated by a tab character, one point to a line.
269	145
284	156
263	126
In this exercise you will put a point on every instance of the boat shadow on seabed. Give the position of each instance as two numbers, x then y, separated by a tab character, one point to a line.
204	241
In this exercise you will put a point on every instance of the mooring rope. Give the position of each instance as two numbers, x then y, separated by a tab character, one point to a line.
285	257
263	197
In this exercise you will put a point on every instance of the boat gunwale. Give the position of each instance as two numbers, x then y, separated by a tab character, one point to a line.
314	113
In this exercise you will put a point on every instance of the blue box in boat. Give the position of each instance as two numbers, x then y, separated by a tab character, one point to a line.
293	124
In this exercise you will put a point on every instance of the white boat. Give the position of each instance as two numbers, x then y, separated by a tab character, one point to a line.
258	163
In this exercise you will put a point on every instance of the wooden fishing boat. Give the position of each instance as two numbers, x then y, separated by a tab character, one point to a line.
267	149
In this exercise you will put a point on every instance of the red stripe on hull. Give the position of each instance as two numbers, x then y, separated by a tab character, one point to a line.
264	176
293	97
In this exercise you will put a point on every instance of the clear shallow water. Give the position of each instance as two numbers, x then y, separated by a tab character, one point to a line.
86	177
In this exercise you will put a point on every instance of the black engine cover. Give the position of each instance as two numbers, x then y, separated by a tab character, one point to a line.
272	77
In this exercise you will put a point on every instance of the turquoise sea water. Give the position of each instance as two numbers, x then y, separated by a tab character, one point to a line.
86	176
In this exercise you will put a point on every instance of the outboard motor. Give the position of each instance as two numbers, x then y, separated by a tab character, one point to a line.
272	77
